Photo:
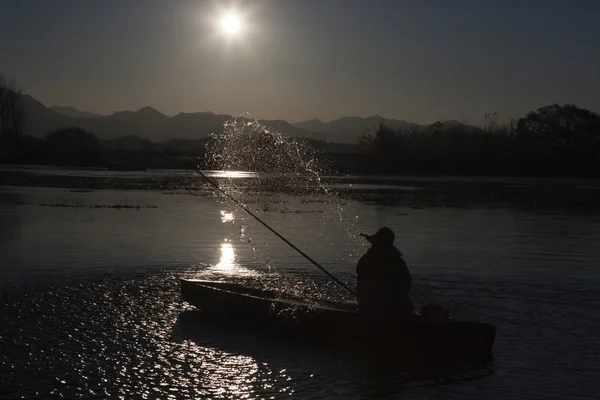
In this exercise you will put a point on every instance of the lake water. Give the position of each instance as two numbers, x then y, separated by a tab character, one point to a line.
90	301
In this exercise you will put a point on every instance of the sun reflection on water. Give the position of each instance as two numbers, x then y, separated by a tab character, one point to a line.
232	174
227	263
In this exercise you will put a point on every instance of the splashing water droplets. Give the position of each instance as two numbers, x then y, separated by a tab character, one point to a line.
262	168
283	164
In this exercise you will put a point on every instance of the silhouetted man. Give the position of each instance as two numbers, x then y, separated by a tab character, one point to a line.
383	279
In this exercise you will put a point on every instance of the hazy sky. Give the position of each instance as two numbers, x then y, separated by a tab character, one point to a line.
415	60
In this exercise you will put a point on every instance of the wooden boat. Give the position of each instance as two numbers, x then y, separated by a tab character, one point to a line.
337	324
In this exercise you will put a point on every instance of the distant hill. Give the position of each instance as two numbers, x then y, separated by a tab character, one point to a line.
312	125
41	120
194	126
145	123
346	129
289	129
74	113
150	124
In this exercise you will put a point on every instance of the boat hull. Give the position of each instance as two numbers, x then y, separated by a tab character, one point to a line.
337	324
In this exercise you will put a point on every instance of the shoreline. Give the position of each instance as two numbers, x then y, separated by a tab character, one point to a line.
394	191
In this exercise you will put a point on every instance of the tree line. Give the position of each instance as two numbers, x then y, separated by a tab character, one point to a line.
76	147
12	116
554	140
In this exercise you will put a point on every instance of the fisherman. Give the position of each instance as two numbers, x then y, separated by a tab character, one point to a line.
383	279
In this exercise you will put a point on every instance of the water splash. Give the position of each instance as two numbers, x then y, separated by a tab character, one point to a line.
282	164
282	174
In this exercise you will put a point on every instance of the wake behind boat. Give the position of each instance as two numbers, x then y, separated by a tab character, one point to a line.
337	324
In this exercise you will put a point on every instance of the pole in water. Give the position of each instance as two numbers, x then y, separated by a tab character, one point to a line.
213	184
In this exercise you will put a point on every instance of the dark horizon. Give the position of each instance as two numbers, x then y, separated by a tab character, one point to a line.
65	106
476	123
420	62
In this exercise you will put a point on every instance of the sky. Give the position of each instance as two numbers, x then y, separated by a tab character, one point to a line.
421	61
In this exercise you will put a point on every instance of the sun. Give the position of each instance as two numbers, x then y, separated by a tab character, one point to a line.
231	24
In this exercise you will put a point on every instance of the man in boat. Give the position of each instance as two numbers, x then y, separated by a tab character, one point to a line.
383	279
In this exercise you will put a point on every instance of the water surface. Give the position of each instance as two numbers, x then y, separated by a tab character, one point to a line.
90	303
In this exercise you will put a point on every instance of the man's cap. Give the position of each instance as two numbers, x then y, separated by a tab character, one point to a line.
383	236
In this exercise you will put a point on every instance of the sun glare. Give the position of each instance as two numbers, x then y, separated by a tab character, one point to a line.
231	24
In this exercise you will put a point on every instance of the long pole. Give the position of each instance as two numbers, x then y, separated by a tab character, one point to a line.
213	184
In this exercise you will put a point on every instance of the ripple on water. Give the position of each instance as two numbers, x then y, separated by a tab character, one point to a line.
129	338
118	338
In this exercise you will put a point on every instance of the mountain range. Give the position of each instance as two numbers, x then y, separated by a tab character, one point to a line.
148	123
